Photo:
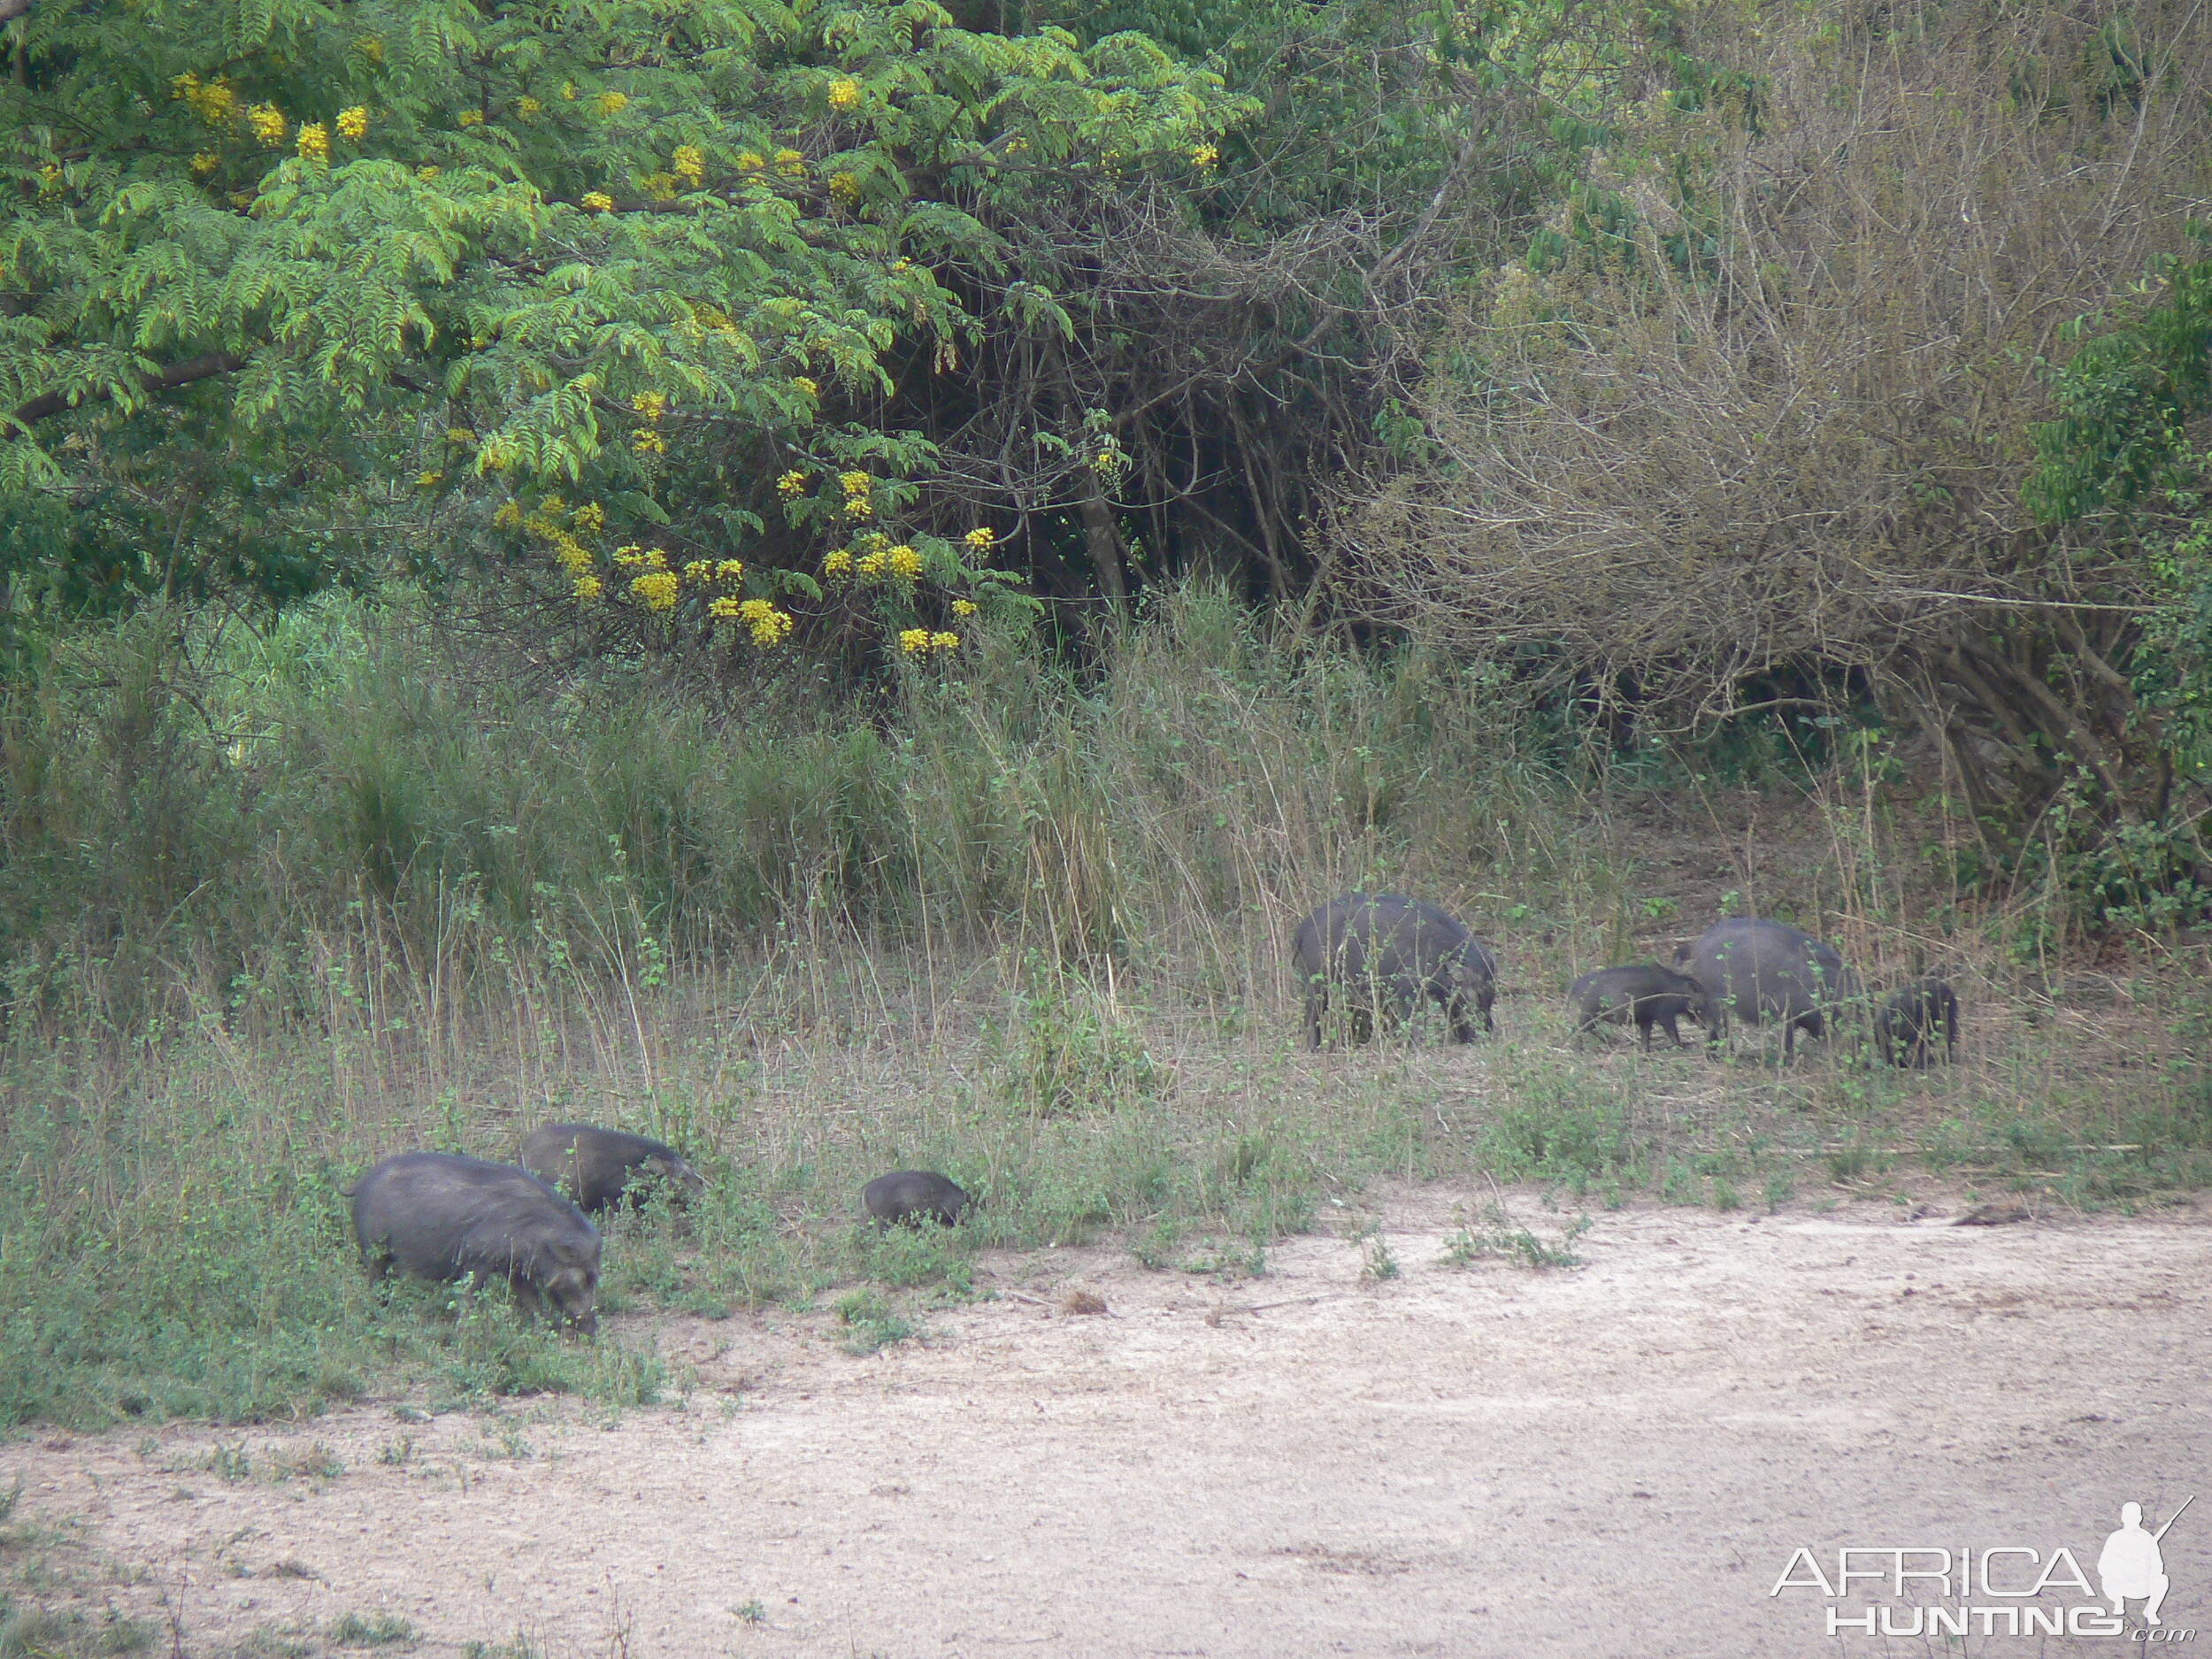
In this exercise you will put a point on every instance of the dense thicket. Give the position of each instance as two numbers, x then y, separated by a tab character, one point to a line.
1750	425
880	302
1680	363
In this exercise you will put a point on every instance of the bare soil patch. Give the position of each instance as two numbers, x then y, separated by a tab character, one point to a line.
1613	1459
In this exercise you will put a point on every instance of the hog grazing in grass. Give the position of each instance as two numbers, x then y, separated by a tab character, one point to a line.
913	1196
1757	971
1371	955
1647	993
1909	1022
607	1169
435	1216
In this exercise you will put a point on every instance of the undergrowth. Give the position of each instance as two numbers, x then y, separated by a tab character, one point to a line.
275	904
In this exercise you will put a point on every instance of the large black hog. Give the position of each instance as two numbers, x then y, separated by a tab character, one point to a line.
913	1196
1756	970
1371	955
1907	1024
608	1169
439	1216
1646	994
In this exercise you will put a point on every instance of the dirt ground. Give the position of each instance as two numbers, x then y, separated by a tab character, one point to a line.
1618	1458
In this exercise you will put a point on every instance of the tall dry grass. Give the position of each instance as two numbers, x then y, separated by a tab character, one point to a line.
275	904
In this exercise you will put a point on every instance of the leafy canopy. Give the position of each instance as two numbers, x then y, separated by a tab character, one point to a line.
487	251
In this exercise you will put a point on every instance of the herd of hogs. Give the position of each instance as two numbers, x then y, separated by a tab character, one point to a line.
1365	960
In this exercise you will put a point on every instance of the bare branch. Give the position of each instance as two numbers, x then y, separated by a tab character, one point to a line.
183	374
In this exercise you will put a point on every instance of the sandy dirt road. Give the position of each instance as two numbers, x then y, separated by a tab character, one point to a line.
1616	1459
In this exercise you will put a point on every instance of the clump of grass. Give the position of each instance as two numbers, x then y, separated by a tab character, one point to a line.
1378	1262
1499	1237
31	1632
870	1323
1069	1048
1562	1125
370	1629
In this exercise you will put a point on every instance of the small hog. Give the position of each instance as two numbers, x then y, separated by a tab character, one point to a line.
1382	954
435	1216
1907	1024
913	1196
1754	969
1647	993
606	1169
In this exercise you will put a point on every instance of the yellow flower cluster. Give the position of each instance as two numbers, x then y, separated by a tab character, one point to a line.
769	625
214	101
426	173
315	141
691	163
1205	156
906	563
660	186
528	105
915	642
655	589
724	608
268	123
806	385
844	189
729	569
649	440
545	523
206	162
791	164
611	104
471	118
599	201
650	558
429	480
353	122
459	435
588	588
844	92
652	406
791	485
509	516
837	562
371	47
750	161
964	607
858	504
982	538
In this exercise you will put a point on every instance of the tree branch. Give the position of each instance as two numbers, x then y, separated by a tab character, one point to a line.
11	10
183	374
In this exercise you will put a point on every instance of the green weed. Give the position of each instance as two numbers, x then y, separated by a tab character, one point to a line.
1500	1239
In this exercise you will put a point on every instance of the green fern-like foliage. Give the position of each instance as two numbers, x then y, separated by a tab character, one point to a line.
651	258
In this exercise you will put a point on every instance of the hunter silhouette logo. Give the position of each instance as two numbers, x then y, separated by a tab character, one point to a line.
2131	1564
2005	1590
